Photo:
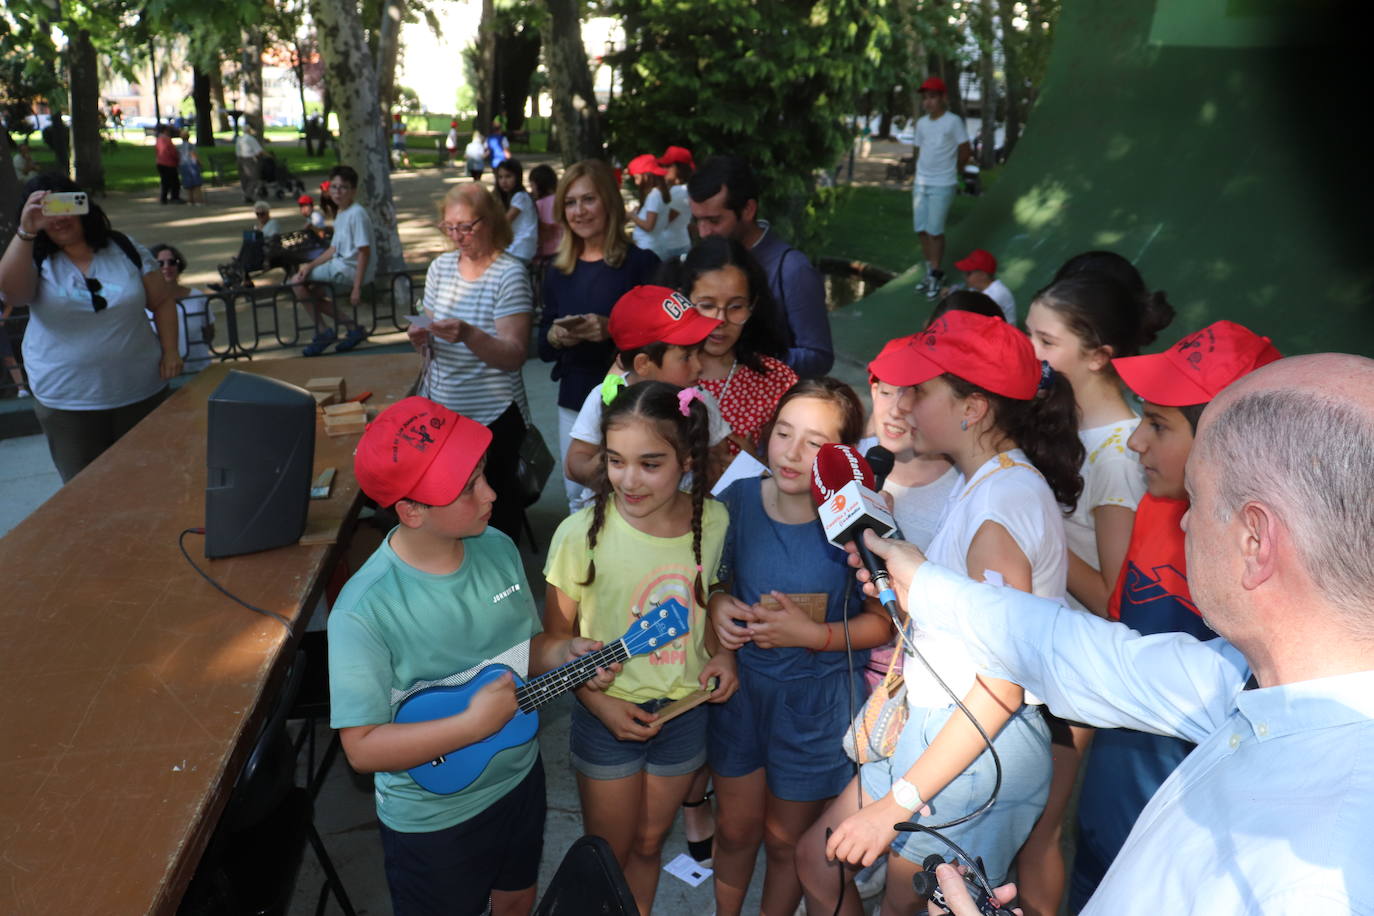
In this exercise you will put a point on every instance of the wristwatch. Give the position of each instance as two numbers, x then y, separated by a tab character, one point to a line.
906	795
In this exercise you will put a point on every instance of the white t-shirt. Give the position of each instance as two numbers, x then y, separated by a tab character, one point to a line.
676	238
917	509
587	428
998	292
193	314
81	359
353	230
247	146
1111	477
1006	490
937	142
653	203
525	227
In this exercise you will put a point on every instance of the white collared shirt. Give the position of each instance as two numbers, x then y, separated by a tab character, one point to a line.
1268	815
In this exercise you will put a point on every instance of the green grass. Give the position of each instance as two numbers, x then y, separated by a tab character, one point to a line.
873	225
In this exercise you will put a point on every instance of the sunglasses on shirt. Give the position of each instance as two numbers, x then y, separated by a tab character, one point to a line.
98	302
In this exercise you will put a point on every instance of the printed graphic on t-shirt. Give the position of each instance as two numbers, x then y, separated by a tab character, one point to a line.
654	589
1157	601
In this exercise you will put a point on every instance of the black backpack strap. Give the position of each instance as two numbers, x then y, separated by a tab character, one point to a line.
126	245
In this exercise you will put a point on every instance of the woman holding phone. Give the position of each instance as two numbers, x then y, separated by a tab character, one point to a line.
94	367
594	267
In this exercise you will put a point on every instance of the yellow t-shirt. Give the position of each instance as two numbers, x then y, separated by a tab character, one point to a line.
634	573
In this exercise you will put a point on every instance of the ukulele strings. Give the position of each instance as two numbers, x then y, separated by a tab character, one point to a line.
565	677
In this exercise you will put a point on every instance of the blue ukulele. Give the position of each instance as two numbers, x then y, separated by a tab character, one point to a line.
454	772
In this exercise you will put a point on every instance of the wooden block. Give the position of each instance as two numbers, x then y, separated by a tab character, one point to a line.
331	383
678	707
324	398
347	425
813	603
346	409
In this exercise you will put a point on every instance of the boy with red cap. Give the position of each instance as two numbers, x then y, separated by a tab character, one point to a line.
941	150
442	597
1126	767
980	275
659	335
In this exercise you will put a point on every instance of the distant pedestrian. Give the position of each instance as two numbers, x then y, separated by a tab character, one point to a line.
188	163
399	156
451	143
941	150
249	153
168	165
498	150
476	156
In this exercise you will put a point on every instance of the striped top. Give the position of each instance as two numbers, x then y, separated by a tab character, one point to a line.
457	377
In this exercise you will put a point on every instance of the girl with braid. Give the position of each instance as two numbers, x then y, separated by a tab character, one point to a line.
641	542
774	748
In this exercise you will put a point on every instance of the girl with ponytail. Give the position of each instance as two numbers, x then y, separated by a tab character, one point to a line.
641	542
1007	423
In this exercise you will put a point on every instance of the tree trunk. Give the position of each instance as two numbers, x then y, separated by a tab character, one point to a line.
987	82
486	67
200	95
353	86
1011	59
885	121
388	51
217	98
518	55
252	80
298	67
85	98
152	67
576	120
10	190
60	142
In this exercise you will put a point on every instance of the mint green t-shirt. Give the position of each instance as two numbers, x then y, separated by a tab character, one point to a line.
394	626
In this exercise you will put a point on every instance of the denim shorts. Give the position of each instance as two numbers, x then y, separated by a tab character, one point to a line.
929	207
678	749
1023	746
793	729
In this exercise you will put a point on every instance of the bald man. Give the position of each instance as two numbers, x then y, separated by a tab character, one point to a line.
1269	814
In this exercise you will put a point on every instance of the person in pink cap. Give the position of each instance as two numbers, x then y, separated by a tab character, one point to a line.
1126	767
1008	424
941	150
443	594
659	336
980	275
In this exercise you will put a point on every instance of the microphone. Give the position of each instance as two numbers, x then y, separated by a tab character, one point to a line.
882	462
842	487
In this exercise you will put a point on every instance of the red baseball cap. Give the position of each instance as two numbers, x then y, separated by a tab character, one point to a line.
419	450
675	154
645	164
1194	370
932	84
651	314
305	199
895	345
978	259
977	348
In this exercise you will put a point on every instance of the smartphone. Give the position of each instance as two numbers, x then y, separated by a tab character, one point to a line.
66	203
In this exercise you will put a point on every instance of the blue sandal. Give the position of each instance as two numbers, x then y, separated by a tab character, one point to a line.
351	339
319	343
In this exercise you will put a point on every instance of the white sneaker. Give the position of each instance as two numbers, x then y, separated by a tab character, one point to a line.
23	393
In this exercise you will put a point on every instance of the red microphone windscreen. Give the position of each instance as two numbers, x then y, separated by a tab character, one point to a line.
835	466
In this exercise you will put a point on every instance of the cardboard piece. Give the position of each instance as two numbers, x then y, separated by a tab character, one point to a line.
323	484
813	603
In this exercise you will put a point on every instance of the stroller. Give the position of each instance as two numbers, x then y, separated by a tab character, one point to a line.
274	177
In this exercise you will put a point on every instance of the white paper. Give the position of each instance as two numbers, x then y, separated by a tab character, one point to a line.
688	869
743	467
422	320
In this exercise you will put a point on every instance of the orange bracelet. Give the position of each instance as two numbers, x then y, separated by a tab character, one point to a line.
829	633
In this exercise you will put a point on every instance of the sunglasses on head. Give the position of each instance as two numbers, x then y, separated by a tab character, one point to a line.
98	302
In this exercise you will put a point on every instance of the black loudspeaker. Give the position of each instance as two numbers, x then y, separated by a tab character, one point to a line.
259	455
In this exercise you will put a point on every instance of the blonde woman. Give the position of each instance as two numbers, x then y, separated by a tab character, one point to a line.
595	265
477	297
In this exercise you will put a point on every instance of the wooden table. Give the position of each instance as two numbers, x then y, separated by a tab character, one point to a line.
132	688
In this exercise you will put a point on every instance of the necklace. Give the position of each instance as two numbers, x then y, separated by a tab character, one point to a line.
729	377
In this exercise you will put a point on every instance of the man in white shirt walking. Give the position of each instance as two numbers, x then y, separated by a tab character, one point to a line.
1268	814
942	149
249	153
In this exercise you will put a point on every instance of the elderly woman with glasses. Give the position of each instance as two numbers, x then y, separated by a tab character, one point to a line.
94	367
475	331
741	360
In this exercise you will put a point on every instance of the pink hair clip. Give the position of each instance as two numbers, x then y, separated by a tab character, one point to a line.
685	397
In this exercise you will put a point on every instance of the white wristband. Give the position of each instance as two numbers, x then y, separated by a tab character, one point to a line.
906	795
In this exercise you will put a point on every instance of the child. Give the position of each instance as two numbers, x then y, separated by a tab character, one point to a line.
980	275
1078	325
346	266
643	542
651	218
983	400
1151	596
680	165
659	335
544	181
524	221
775	752
741	360
941	152
441	595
